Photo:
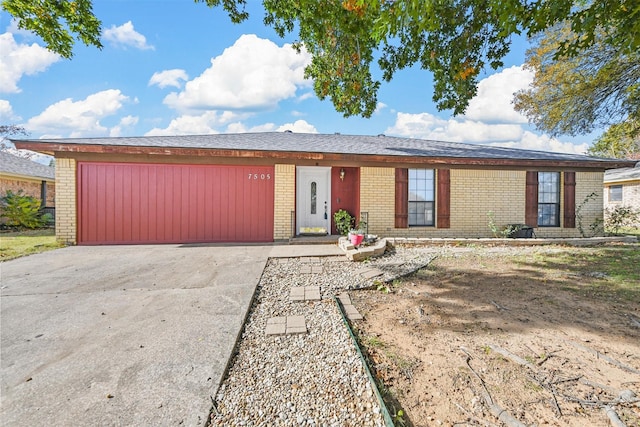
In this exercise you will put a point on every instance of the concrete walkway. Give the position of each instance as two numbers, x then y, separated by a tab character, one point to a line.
124	335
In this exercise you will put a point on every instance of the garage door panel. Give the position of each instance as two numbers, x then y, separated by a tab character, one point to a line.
162	203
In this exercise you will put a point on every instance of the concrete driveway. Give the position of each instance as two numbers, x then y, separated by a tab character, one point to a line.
121	335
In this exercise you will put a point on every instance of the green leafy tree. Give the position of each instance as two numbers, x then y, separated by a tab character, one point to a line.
596	88
620	141
455	40
58	22
22	211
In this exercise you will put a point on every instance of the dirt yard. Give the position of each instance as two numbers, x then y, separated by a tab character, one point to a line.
533	336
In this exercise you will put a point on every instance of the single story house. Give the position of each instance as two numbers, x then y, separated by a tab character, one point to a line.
622	187
32	178
264	187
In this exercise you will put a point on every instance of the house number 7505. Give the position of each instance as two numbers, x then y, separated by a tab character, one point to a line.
261	176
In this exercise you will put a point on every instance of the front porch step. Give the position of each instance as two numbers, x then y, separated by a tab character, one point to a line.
362	252
326	239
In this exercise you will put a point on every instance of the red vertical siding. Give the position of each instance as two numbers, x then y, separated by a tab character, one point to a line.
345	193
132	203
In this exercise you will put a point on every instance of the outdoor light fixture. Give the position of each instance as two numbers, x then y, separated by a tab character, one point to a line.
341	174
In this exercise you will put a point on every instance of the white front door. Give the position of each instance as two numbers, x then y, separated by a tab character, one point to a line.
313	201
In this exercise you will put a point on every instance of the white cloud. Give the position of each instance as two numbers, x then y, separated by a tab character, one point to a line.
126	36
6	112
305	96
532	141
299	126
17	31
169	78
227	121
254	73
125	122
203	124
239	127
493	102
379	107
478	132
421	125
428	126
78	118
17	60
489	120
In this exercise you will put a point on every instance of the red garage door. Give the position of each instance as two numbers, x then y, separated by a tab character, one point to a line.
128	203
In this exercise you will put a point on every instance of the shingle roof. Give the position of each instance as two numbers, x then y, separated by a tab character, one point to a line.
326	143
622	174
20	166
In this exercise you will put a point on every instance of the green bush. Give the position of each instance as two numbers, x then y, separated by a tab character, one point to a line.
620	217
22	211
344	221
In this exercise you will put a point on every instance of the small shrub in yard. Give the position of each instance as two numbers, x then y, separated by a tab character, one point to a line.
21	210
620	217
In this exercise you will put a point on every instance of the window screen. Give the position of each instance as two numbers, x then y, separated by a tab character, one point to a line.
421	197
548	199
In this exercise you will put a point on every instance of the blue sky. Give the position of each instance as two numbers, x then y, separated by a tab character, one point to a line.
175	67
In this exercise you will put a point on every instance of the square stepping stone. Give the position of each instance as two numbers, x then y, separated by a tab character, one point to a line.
311	269
312	293
305	269
276	326
305	293
296	325
285	325
297	293
310	260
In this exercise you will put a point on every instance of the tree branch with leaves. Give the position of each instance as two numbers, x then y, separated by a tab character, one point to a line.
597	88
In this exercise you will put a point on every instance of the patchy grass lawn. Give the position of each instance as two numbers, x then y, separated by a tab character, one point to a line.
548	335
613	271
630	231
21	243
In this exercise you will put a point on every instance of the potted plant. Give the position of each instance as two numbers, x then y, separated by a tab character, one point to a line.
356	235
344	221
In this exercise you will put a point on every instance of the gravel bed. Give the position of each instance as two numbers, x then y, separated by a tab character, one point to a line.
314	379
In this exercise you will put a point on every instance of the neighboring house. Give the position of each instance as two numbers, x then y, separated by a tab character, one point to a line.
622	187
264	187
34	179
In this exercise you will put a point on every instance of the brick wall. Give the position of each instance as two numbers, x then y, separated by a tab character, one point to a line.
285	200
377	190
66	223
474	193
477	193
29	188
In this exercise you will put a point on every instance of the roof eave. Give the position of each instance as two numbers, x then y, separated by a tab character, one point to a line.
25	177
51	148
